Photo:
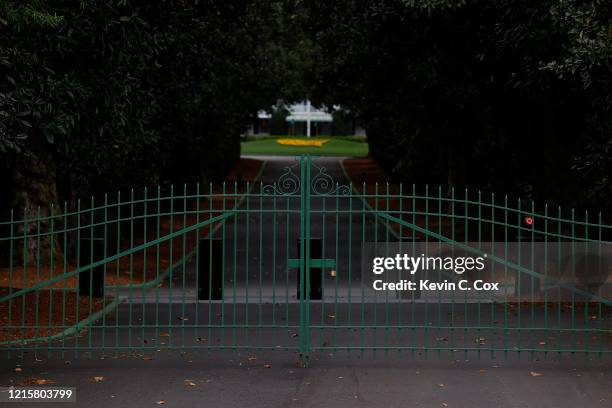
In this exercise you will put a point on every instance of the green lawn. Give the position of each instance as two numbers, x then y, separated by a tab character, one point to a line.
335	147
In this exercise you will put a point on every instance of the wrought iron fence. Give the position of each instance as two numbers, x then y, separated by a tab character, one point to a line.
284	265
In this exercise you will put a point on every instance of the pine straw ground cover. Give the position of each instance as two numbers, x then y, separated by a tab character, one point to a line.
140	268
56	312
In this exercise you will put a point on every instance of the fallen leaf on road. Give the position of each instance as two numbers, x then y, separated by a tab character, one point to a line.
252	358
267	365
160	402
18	369
36	381
440	385
542	343
482	370
97	379
164	334
535	374
189	383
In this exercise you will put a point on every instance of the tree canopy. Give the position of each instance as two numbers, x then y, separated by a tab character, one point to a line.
111	94
510	96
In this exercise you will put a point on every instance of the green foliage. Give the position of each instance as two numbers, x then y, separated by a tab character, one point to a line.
503	94
506	95
27	13
431	5
121	93
343	122
278	120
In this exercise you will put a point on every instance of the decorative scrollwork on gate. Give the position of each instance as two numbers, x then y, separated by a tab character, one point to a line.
287	184
323	184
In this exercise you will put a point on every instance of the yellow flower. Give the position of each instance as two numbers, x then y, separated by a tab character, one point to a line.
302	142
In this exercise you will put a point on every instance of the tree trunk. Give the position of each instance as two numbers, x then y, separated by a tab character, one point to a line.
35	198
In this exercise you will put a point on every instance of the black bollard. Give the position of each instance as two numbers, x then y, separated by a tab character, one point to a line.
210	269
91	249
316	252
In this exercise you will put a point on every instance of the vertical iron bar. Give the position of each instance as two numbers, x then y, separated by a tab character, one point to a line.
144	270
104	254
183	261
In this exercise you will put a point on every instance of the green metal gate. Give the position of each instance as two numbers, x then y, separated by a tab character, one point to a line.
284	264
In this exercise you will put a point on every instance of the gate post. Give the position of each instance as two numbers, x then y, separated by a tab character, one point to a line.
304	256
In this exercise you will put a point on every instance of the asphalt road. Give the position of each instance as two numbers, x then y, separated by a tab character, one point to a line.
273	379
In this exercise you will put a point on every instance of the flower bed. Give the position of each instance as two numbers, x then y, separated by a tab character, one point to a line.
302	142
